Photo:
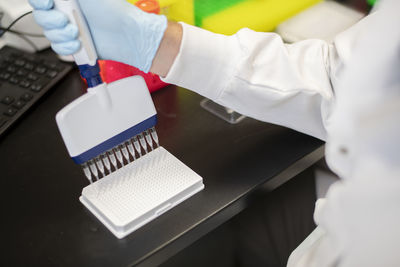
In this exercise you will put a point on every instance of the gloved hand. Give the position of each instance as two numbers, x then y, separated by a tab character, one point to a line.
120	30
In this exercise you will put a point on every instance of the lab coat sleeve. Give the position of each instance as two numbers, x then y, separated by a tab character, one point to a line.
259	76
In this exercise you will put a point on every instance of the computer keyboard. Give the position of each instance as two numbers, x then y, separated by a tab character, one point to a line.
24	79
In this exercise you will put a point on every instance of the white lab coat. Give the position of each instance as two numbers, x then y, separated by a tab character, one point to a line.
347	93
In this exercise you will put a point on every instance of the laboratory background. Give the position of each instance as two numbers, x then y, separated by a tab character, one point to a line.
200	133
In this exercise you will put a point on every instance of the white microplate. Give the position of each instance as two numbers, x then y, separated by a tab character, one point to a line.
140	191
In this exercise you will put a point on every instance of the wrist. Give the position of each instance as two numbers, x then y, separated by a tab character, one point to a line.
168	49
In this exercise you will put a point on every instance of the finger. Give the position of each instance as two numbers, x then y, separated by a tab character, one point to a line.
66	48
41	4
60	35
50	19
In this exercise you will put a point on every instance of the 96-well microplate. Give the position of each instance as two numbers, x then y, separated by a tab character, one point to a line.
140	191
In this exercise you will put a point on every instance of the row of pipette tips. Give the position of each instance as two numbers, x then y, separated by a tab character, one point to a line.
121	155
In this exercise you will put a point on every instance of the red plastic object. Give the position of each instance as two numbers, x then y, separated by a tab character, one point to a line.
112	71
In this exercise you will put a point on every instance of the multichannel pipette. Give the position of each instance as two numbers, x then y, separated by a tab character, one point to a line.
112	125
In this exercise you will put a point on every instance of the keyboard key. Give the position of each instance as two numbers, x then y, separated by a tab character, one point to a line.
5	75
29	66
18	104
36	87
7	100
2	121
33	77
32	58
51	73
22	72
14	80
9	59
10	112
20	62
26	97
50	64
40	70
12	69
24	84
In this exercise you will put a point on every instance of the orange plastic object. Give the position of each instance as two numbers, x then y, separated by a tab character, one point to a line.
150	6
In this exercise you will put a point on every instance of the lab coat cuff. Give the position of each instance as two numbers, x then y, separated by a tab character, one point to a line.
319	206
206	62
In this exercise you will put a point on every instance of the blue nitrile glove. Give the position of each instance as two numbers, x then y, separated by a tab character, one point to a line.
120	30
